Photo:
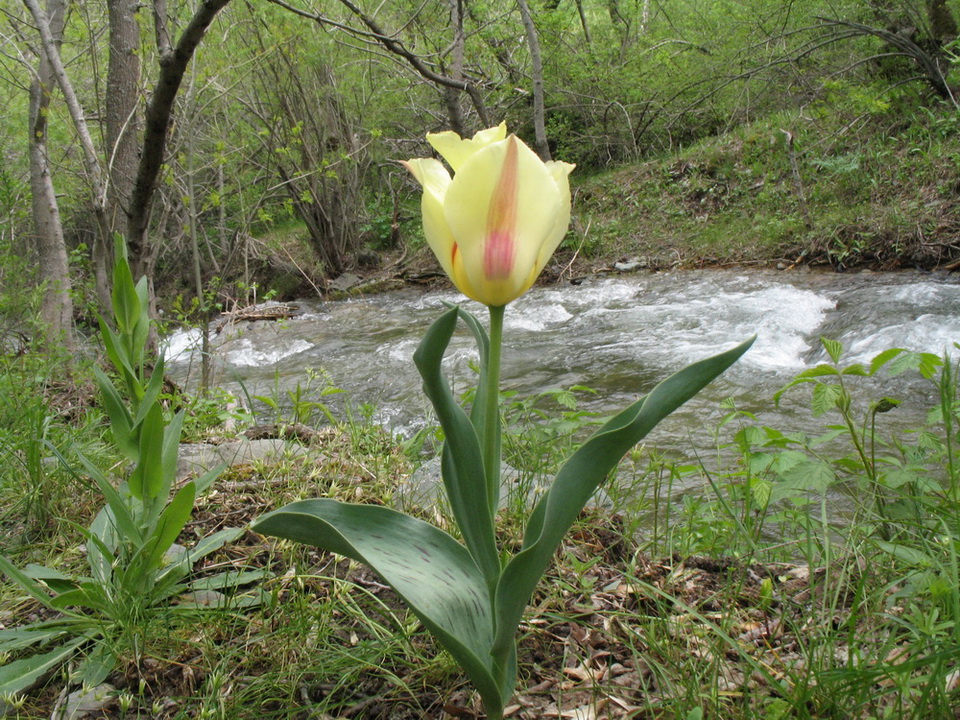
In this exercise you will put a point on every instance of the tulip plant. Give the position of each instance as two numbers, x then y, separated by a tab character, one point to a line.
493	226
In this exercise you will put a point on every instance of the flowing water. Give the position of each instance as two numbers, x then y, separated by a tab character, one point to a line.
616	335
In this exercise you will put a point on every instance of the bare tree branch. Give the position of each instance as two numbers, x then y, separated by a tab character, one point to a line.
158	117
397	48
90	160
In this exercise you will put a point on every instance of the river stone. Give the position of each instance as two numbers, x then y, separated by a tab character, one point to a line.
344	282
81	703
630	265
200	457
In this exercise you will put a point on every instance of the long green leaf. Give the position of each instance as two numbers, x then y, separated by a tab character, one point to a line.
28	584
172	520
120	512
18	676
120	357
88	595
152	391
102	542
23	637
463	471
146	480
121	424
170	453
141	331
579	478
126	302
433	573
53	579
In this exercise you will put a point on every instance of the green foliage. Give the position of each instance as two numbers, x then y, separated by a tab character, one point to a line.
133	570
303	404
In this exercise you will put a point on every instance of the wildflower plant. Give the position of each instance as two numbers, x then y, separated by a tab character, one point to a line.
133	575
493	226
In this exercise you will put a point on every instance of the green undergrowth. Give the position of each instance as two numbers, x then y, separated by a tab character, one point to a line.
874	183
795	576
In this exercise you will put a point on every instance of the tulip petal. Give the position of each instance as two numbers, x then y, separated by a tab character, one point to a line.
431	174
561	173
435	179
456	150
518	213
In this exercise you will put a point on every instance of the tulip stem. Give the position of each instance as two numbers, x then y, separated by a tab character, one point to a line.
491	429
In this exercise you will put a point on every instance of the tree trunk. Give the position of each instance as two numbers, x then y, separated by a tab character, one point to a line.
536	71
159	115
451	95
56	310
583	22
122	127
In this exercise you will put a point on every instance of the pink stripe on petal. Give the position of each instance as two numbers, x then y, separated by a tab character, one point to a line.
500	250
498	255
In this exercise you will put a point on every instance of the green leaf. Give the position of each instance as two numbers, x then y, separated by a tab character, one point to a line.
906	554
87	595
121	424
902	361
809	375
120	358
214	542
579	478
231	579
35	634
825	398
814	475
883	358
204	482
102	541
433	573
170	454
118	508
152	391
28	584
53	579
96	666
462	468
833	348
146	480
126	302
20	675
172	520
141	330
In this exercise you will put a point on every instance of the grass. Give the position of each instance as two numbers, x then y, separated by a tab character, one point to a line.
748	601
875	184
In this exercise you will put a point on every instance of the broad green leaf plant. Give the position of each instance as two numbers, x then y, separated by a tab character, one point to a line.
493	227
132	571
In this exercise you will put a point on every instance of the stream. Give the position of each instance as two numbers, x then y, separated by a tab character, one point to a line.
618	335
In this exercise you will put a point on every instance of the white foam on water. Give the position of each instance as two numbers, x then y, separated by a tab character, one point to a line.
181	345
538	318
921	294
782	317
400	351
245	355
929	332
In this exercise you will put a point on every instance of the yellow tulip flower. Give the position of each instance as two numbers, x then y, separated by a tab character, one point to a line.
493	225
